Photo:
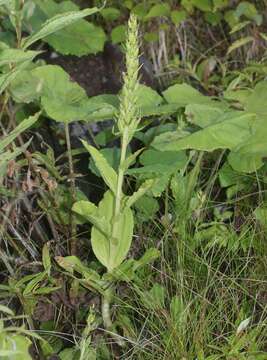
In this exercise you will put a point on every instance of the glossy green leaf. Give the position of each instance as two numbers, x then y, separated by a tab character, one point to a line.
78	39
160	162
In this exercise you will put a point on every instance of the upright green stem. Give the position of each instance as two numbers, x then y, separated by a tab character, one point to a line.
105	309
124	144
107	297
73	245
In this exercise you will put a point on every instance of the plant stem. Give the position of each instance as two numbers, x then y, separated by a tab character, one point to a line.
119	192
124	144
73	244
105	309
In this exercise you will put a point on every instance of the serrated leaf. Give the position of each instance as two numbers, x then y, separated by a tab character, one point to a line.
57	23
107	172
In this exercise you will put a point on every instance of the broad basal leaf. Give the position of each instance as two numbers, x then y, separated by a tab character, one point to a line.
26	87
248	156
183	94
111	251
147	97
204	115
64	100
256	101
226	134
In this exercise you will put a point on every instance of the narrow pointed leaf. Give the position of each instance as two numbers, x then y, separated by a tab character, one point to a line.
107	172
140	192
24	125
238	43
56	23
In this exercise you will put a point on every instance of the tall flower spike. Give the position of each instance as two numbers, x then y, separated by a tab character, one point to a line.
128	117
